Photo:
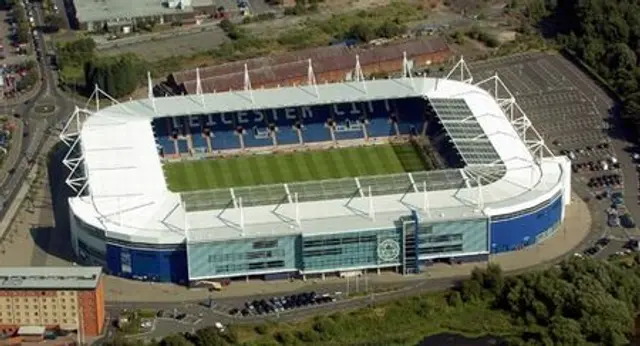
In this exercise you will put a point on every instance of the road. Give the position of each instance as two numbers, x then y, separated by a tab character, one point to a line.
37	127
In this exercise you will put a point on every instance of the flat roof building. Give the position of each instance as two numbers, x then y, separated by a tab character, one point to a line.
93	15
66	298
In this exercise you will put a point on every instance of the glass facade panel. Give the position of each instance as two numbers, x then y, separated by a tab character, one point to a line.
347	250
453	238
242	257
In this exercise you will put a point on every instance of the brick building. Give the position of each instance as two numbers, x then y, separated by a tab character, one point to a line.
330	64
57	298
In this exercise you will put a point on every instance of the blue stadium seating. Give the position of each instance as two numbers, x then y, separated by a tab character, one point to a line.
347	117
316	132
199	141
257	137
410	114
378	114
349	129
162	134
380	127
183	146
287	135
166	144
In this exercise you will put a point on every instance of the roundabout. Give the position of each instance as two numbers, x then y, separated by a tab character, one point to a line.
44	108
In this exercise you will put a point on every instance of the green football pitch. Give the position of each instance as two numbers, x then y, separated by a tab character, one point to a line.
250	170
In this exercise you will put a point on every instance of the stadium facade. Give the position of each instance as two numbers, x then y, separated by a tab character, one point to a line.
504	191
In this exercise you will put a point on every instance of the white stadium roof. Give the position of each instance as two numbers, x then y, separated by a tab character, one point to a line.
128	197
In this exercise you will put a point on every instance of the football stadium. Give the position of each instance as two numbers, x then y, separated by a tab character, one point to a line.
311	180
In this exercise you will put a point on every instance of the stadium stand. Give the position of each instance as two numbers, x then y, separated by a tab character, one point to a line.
505	193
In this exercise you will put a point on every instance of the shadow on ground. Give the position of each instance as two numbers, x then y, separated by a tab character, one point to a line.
55	240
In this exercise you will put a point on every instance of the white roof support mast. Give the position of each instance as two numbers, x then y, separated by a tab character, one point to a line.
97	95
359	75
297	206
247	83
199	88
241	216
461	70
150	92
517	117
311	76
407	69
372	211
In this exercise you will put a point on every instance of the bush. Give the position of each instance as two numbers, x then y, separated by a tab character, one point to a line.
262	329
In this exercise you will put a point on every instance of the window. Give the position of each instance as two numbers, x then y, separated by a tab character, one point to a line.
35	306
443	238
440	249
323	252
265	244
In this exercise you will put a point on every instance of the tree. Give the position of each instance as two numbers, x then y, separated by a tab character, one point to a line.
565	331
175	340
116	75
208	336
362	32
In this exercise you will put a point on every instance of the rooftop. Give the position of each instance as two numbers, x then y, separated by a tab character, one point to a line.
119	10
278	69
46	278
128	196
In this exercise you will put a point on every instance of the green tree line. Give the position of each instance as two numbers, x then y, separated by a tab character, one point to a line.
581	301
20	17
117	75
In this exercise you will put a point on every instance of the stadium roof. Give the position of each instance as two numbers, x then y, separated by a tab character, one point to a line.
129	199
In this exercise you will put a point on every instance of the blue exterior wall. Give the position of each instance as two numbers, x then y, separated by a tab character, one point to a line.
226	259
165	265
515	231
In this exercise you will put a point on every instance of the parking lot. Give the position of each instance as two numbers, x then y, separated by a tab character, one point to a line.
553	95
